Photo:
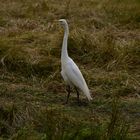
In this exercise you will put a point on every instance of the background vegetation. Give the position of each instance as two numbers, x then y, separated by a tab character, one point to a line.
104	41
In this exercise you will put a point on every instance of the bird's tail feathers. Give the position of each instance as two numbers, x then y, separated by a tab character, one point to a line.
87	92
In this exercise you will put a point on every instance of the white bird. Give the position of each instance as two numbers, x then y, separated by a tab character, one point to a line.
70	71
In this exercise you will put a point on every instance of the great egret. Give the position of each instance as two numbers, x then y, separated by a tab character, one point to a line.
70	71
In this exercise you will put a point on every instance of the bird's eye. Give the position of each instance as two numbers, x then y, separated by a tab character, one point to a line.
61	22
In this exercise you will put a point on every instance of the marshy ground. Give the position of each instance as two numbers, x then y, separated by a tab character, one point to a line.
104	42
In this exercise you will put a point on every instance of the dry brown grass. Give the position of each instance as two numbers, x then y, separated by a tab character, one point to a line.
104	41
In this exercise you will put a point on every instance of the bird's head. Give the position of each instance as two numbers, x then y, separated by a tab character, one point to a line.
63	22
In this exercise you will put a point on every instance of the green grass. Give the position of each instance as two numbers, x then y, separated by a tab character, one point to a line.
104	42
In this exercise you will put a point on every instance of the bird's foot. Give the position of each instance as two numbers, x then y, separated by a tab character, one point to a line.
65	103
79	103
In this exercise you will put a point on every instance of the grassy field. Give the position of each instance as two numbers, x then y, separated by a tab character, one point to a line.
104	42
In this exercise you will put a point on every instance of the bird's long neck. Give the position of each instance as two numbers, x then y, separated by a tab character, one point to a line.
64	53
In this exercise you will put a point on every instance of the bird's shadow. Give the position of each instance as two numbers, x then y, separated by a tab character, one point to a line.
81	103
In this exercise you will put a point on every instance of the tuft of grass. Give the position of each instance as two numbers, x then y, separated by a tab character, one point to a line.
117	127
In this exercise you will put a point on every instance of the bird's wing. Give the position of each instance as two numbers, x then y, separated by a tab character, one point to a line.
74	75
76	78
65	78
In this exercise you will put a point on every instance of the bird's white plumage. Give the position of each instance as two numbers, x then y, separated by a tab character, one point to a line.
70	71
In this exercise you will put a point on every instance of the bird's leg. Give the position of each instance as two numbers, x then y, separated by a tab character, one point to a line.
77	95
68	91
